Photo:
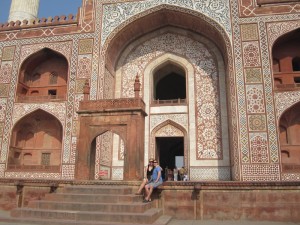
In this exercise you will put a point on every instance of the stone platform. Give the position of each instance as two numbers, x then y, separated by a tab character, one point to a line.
199	201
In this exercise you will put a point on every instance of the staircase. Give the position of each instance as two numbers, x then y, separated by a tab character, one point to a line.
89	205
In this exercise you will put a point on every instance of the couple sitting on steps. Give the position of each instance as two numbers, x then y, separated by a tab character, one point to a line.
152	181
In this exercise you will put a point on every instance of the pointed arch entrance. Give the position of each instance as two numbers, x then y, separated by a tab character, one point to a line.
125	117
170	145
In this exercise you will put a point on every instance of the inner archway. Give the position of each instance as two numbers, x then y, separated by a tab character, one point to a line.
289	127
169	83
170	152
43	77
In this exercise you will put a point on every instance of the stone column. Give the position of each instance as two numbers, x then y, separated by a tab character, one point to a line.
23	9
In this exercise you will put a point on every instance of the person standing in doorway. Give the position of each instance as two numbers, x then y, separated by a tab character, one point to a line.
155	181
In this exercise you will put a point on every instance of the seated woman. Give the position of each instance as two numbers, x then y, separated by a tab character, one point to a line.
148	172
155	181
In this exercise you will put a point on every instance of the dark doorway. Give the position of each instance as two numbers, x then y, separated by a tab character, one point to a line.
167	149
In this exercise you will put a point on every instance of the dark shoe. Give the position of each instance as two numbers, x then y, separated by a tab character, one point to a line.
145	201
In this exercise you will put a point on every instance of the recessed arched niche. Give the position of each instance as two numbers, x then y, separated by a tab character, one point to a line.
286	61
43	77
36	143
169	84
289	128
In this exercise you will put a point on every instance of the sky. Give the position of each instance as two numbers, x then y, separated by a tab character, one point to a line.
47	8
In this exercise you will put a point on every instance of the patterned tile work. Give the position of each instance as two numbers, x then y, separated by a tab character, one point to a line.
84	67
62	47
1	129
290	177
253	75
181	119
2	169
4	89
251	54
68	172
104	147
5	72
32	175
249	32
56	109
255	99
284	100
169	131
249	8
206	78
115	14
261	172
209	173
269	95
8	53
85	46
278	28
257	122
3	106
78	98
121	150
80	85
109	85
117	173
259	148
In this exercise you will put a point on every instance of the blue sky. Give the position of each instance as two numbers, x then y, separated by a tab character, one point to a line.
47	8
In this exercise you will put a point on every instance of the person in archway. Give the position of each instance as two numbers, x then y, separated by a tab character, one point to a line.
155	181
148	172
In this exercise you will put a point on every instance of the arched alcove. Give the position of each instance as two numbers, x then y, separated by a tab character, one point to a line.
289	126
36	143
169	83
286	61
43	77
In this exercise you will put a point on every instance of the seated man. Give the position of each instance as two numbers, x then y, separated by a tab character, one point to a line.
155	181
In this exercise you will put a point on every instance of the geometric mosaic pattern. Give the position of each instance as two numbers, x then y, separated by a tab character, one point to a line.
284	100
261	172
4	89
257	122
5	72
84	66
251	54
8	53
209	173
249	32
259	148
85	46
255	99
253	75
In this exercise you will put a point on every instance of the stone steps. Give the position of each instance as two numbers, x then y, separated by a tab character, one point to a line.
93	198
147	217
90	204
137	207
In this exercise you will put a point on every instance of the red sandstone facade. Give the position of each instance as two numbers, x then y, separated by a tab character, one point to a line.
93	96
